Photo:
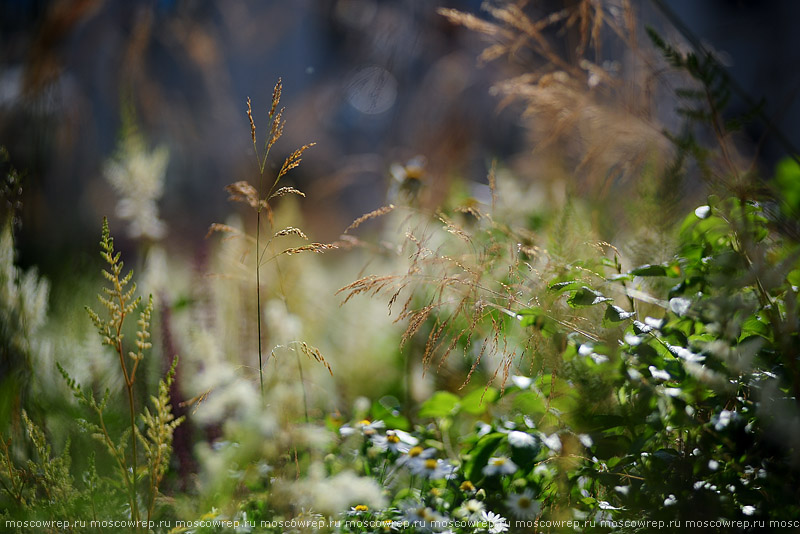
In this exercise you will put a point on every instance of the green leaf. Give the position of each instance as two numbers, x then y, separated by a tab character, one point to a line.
562	286
441	404
529	403
794	277
537	318
615	314
478	401
755	326
586	297
787	181
480	455
649	270
387	409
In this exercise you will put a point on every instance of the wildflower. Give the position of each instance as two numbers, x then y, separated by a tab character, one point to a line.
658	373
586	440
358	509
523	506
553	442
632	340
395	441
332	495
422	517
497	523
522	382
483	429
670	500
521	440
470	510
367	428
652	322
723	419
137	176
499	465
416	454
623	489
748	509
467	486
432	468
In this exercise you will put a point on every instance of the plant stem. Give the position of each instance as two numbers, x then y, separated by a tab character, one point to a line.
134	504
258	299
302	385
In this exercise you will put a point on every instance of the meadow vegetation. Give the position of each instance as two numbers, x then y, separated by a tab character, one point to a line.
605	331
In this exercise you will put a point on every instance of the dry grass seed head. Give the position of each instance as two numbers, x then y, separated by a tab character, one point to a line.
223	228
313	352
372	283
416	320
242	191
319	248
291	230
286	191
252	122
371	215
294	159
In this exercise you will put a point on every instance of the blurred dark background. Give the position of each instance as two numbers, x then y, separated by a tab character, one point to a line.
372	82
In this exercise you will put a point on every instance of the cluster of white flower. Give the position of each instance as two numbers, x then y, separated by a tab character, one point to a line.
137	176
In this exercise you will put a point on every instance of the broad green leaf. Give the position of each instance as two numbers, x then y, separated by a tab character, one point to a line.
586	297
529	403
479	456
649	270
562	286
536	318
477	402
387	409
615	314
441	404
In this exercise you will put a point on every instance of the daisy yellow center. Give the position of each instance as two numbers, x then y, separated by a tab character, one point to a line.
430	464
364	422
499	461
362	508
415	451
391	438
467	486
524	502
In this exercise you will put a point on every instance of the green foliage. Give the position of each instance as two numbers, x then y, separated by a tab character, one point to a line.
42	487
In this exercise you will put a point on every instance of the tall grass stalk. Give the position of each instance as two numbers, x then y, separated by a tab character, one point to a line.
259	199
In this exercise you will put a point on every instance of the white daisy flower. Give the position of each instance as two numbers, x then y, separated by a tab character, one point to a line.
523	505
470	510
499	465
358	510
521	440
497	523
522	382
416	455
367	428
553	442
395	441
658	373
423	517
370	428
432	468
